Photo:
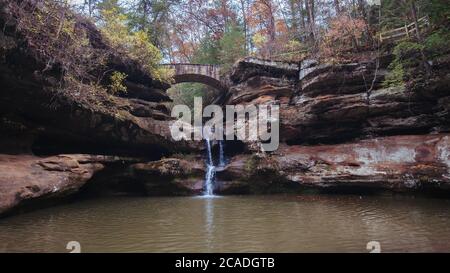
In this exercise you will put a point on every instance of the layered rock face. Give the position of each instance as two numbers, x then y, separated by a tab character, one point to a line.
38	107
28	181
45	112
26	178
254	81
355	106
413	162
167	177
338	105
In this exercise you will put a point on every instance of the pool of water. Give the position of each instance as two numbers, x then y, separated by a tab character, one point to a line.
307	223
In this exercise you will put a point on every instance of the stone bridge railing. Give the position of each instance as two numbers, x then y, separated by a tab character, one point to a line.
208	70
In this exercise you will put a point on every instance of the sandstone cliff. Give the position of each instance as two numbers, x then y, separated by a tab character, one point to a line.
325	111
45	111
340	128
39	103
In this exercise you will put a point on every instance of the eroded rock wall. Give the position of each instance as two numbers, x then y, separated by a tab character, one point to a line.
336	103
58	134
385	138
39	102
400	163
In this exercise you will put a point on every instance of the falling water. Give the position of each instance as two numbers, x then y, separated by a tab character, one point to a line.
210	171
221	154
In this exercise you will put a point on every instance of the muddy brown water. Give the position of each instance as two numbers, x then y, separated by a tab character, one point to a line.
280	223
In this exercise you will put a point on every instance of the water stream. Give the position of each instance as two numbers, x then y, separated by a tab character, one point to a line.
210	171
221	153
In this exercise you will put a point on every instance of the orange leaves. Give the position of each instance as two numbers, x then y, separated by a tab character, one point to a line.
344	35
261	13
281	27
345	28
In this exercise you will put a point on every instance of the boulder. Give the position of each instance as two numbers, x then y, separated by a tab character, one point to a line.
27	179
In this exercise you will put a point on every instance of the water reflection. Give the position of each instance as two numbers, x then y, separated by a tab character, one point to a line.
209	221
234	224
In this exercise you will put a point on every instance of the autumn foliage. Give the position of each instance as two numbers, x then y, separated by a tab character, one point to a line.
344	36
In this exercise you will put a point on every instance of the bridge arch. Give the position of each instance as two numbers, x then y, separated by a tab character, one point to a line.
201	73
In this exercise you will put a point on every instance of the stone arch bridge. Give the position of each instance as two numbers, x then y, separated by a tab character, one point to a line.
208	74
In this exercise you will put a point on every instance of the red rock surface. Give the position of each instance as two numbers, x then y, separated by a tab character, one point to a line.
398	163
24	178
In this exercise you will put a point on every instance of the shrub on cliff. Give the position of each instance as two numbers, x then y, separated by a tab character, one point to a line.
344	37
404	66
407	66
117	83
136	44
56	37
438	43
70	48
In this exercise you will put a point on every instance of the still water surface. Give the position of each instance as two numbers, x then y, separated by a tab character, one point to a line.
310	223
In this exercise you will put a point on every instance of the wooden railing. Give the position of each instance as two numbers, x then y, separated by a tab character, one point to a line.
402	32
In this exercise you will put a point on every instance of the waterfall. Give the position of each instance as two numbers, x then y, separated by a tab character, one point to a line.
208	150
221	154
209	179
210	171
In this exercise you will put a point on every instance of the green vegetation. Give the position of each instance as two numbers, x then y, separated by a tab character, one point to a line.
407	57
231	47
70	46
207	52
396	75
51	31
412	55
438	43
136	44
221	32
438	11
224	51
184	93
117	83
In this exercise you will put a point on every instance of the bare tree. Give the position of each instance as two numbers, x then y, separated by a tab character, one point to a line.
425	63
337	6
310	19
244	5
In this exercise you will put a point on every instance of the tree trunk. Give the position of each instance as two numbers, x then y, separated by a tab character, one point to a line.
271	20
90	7
244	21
337	7
363	14
416	21
362	9
426	65
302	17
294	17
309	5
